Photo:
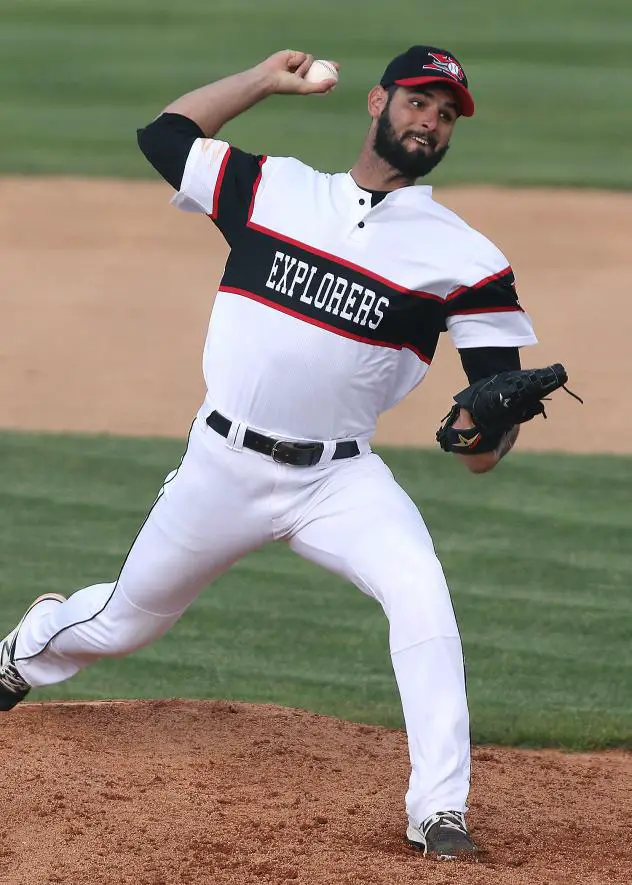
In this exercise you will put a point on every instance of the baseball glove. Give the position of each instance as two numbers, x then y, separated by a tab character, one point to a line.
496	404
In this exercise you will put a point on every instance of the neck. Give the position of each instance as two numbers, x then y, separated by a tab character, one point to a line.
374	174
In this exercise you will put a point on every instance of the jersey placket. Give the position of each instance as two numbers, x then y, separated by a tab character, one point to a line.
359	221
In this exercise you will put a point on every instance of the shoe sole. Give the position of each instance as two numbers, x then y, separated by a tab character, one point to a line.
57	597
9	642
11	637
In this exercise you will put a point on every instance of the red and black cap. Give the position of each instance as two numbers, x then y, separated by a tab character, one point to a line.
420	65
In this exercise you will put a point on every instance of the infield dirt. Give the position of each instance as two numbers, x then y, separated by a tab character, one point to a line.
157	793
106	293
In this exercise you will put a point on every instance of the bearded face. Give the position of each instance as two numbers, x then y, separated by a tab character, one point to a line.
414	152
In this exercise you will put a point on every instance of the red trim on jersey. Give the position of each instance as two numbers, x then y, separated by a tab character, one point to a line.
481	283
508	309
255	187
417	353
233	290
218	185
343	262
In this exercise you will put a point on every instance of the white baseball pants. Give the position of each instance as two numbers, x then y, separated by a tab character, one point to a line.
349	516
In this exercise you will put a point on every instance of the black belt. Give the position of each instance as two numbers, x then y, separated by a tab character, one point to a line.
298	454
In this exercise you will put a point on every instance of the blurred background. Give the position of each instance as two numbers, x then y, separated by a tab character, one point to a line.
105	293
551	80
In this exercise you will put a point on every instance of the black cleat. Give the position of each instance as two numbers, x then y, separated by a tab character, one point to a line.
443	836
13	688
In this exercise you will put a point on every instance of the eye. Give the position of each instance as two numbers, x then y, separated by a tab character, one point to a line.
447	116
417	102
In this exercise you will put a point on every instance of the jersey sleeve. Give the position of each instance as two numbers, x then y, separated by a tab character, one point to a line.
484	311
220	181
167	142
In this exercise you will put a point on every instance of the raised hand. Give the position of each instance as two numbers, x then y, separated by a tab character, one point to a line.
287	70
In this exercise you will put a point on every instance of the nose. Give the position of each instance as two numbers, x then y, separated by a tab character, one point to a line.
430	119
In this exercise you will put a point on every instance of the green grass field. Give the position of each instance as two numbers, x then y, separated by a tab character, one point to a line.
552	81
537	554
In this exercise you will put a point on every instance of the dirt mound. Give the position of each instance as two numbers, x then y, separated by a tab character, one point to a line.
165	792
106	293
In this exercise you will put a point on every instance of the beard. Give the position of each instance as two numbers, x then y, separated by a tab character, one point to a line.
410	164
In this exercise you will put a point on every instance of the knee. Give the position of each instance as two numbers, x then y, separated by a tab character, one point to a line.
117	636
419	607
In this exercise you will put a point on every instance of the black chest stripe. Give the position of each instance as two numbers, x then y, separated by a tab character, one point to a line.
331	293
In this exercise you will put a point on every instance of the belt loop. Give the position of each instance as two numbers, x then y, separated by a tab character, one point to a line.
329	447
235	438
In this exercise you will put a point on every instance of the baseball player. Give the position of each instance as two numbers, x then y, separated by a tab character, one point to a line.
335	292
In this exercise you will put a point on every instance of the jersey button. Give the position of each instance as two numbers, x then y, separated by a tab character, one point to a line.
362	202
360	224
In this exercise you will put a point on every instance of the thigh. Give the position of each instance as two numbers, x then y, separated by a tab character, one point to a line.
364	526
208	514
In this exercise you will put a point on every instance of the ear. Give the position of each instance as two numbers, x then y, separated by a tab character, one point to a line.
378	99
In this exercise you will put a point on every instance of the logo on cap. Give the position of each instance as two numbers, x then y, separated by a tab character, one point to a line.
445	64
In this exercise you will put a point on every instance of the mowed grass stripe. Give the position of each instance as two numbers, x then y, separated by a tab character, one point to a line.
79	76
536	553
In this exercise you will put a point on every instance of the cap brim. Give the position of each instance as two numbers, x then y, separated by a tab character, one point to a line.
463	94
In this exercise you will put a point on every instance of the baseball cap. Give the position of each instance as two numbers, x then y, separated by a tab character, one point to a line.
429	64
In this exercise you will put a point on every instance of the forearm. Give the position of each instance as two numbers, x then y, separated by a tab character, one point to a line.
214	105
507	442
485	461
168	140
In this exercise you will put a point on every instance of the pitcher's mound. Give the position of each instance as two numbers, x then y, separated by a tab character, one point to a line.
166	792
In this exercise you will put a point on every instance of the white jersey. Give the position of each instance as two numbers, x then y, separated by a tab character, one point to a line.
329	310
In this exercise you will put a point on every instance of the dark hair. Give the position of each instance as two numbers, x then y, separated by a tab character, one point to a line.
390	92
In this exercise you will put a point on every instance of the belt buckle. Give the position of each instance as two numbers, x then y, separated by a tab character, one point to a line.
275	450
298	448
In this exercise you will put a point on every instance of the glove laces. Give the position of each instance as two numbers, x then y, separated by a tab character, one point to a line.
574	395
566	390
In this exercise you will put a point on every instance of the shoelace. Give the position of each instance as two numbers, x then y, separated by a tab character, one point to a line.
455	820
12	681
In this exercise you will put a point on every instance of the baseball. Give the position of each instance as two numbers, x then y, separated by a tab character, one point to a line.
321	70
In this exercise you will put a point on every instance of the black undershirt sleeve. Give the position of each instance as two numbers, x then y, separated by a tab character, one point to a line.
479	362
167	142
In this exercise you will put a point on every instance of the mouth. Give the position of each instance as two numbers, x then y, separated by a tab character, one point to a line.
425	141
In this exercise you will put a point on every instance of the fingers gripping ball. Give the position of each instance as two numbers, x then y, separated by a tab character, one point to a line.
496	404
320	70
